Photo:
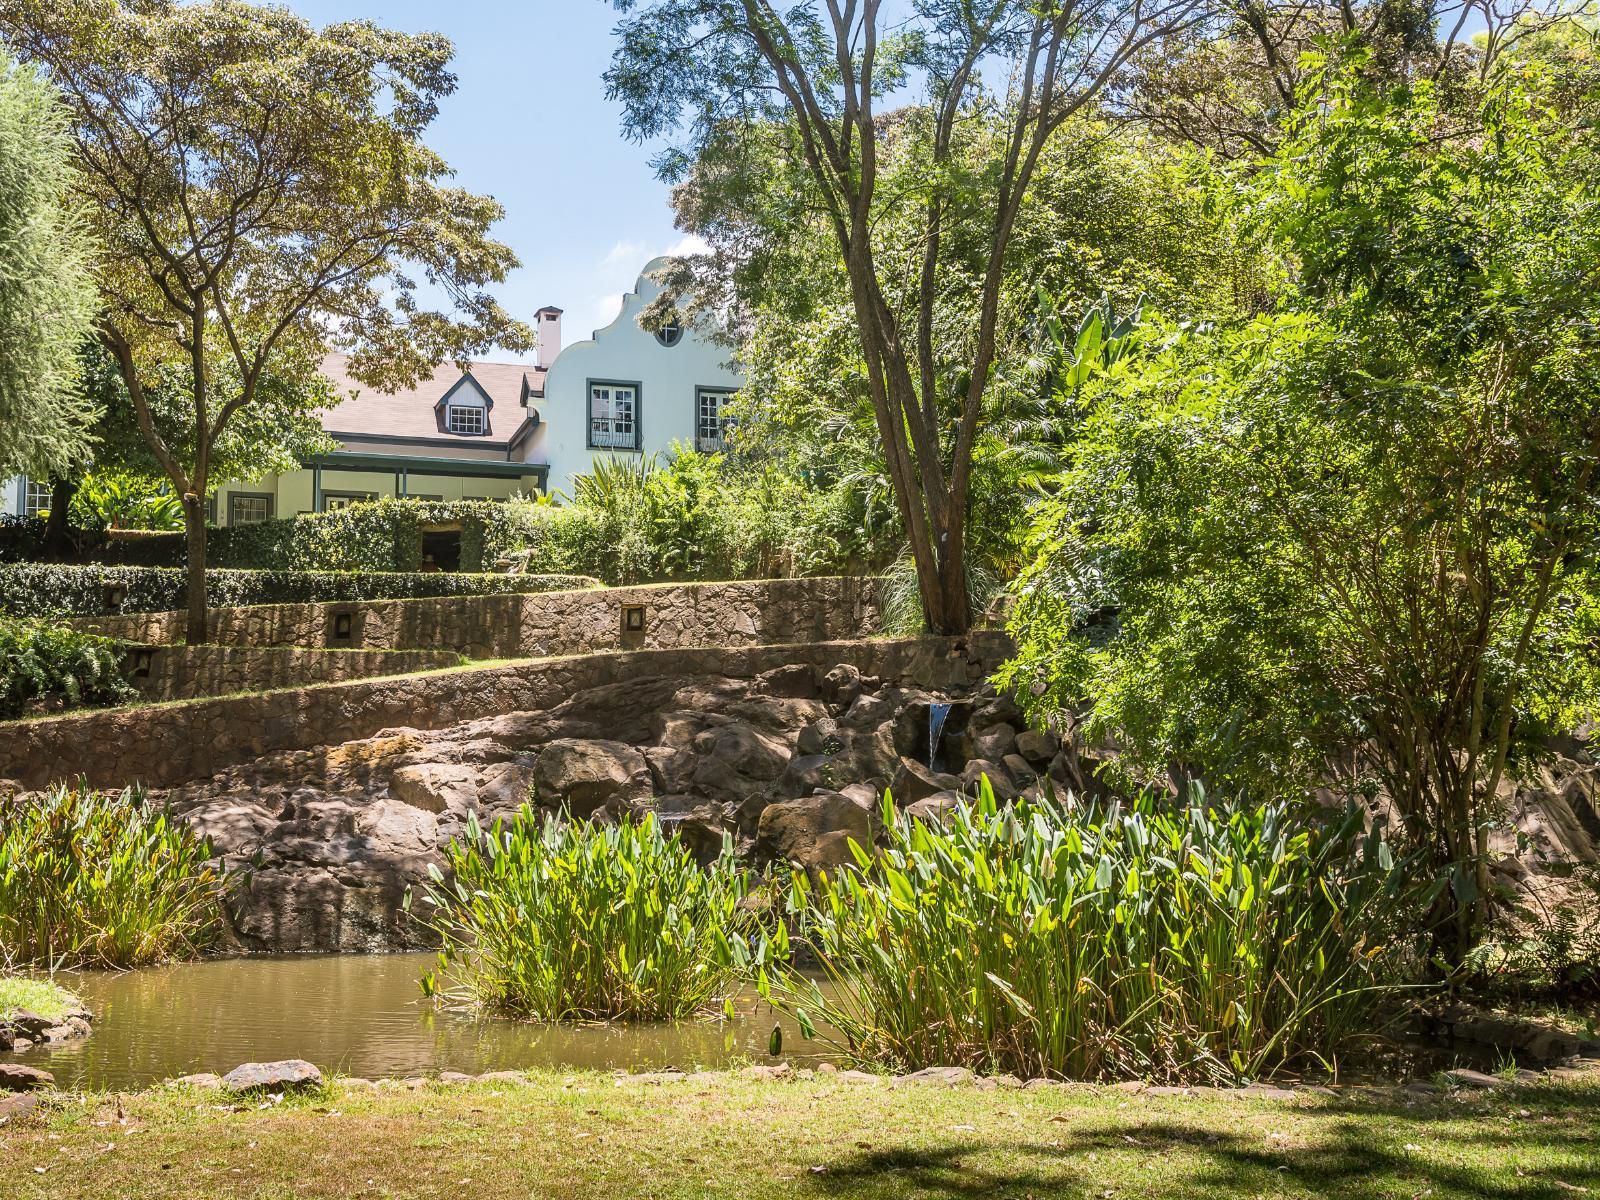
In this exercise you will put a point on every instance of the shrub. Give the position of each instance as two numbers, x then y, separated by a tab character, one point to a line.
92	878
384	535
54	665
39	590
571	920
1202	943
22	541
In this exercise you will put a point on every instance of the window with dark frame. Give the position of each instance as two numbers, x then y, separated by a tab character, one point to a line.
333	501
247	509
711	419
613	416
465	418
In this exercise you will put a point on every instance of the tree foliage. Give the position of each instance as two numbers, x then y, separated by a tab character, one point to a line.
808	81
262	188
1355	534
47	297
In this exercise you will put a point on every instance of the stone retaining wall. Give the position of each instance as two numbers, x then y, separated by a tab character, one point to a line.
171	744
761	612
186	672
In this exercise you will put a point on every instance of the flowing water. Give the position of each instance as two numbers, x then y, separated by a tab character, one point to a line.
937	714
358	1015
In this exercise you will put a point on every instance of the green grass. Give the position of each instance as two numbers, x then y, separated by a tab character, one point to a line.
35	995
582	1135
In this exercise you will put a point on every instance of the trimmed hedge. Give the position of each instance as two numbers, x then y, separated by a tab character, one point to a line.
383	535
46	590
50	666
22	540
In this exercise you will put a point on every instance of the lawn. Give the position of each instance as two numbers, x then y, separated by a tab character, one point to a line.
730	1136
35	995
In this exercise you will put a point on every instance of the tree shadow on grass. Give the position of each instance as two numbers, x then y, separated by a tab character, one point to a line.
1357	1150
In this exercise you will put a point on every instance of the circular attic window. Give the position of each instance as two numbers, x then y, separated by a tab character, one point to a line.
670	333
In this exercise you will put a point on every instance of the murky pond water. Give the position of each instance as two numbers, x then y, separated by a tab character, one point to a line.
357	1015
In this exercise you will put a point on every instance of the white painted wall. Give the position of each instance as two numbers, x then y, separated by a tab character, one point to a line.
667	377
11	495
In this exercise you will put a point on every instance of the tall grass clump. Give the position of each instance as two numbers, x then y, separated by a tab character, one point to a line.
1190	942
561	920
104	879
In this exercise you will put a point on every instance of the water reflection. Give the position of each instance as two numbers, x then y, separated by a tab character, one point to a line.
357	1015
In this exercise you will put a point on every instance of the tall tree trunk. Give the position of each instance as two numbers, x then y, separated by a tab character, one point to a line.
62	490
194	527
953	568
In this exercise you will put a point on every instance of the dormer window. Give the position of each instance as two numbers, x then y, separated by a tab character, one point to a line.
465	418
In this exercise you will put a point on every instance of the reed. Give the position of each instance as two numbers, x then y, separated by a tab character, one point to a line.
1192	943
105	879
561	920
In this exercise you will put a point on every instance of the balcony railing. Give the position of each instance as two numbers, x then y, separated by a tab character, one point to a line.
613	435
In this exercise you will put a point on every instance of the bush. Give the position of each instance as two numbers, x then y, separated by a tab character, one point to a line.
45	665
688	516
384	535
106	879
22	541
39	590
570	920
1203	943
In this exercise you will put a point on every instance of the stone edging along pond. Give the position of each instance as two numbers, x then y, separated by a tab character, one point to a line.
164	745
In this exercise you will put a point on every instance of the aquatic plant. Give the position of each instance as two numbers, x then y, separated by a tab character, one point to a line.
91	878
1145	940
562	920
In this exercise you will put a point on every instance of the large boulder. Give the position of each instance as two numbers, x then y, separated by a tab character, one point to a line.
1038	747
915	781
1000	781
290	1074
992	742
813	831
588	776
14	1077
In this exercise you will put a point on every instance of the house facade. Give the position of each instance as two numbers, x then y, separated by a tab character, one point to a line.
629	391
497	430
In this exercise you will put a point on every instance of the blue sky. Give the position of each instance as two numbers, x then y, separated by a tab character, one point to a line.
530	125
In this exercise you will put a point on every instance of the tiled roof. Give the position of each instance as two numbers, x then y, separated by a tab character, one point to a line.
413	413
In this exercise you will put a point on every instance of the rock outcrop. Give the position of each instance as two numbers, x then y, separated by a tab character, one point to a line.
788	764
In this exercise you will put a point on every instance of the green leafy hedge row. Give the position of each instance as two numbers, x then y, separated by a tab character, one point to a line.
42	590
51	666
385	535
22	540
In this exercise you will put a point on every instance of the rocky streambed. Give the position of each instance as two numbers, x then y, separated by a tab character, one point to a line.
790	763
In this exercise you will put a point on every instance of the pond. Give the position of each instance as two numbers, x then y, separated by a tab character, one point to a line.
357	1015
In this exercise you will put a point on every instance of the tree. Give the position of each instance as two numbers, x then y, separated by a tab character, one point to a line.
262	189
814	77
1110	214
1230	92
1355	538
47	296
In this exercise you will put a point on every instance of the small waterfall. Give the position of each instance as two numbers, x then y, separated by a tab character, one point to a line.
936	719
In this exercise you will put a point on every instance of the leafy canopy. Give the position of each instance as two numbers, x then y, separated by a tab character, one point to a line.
1357	531
47	297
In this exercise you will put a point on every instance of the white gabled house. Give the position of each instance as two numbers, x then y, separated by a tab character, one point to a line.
627	390
498	429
